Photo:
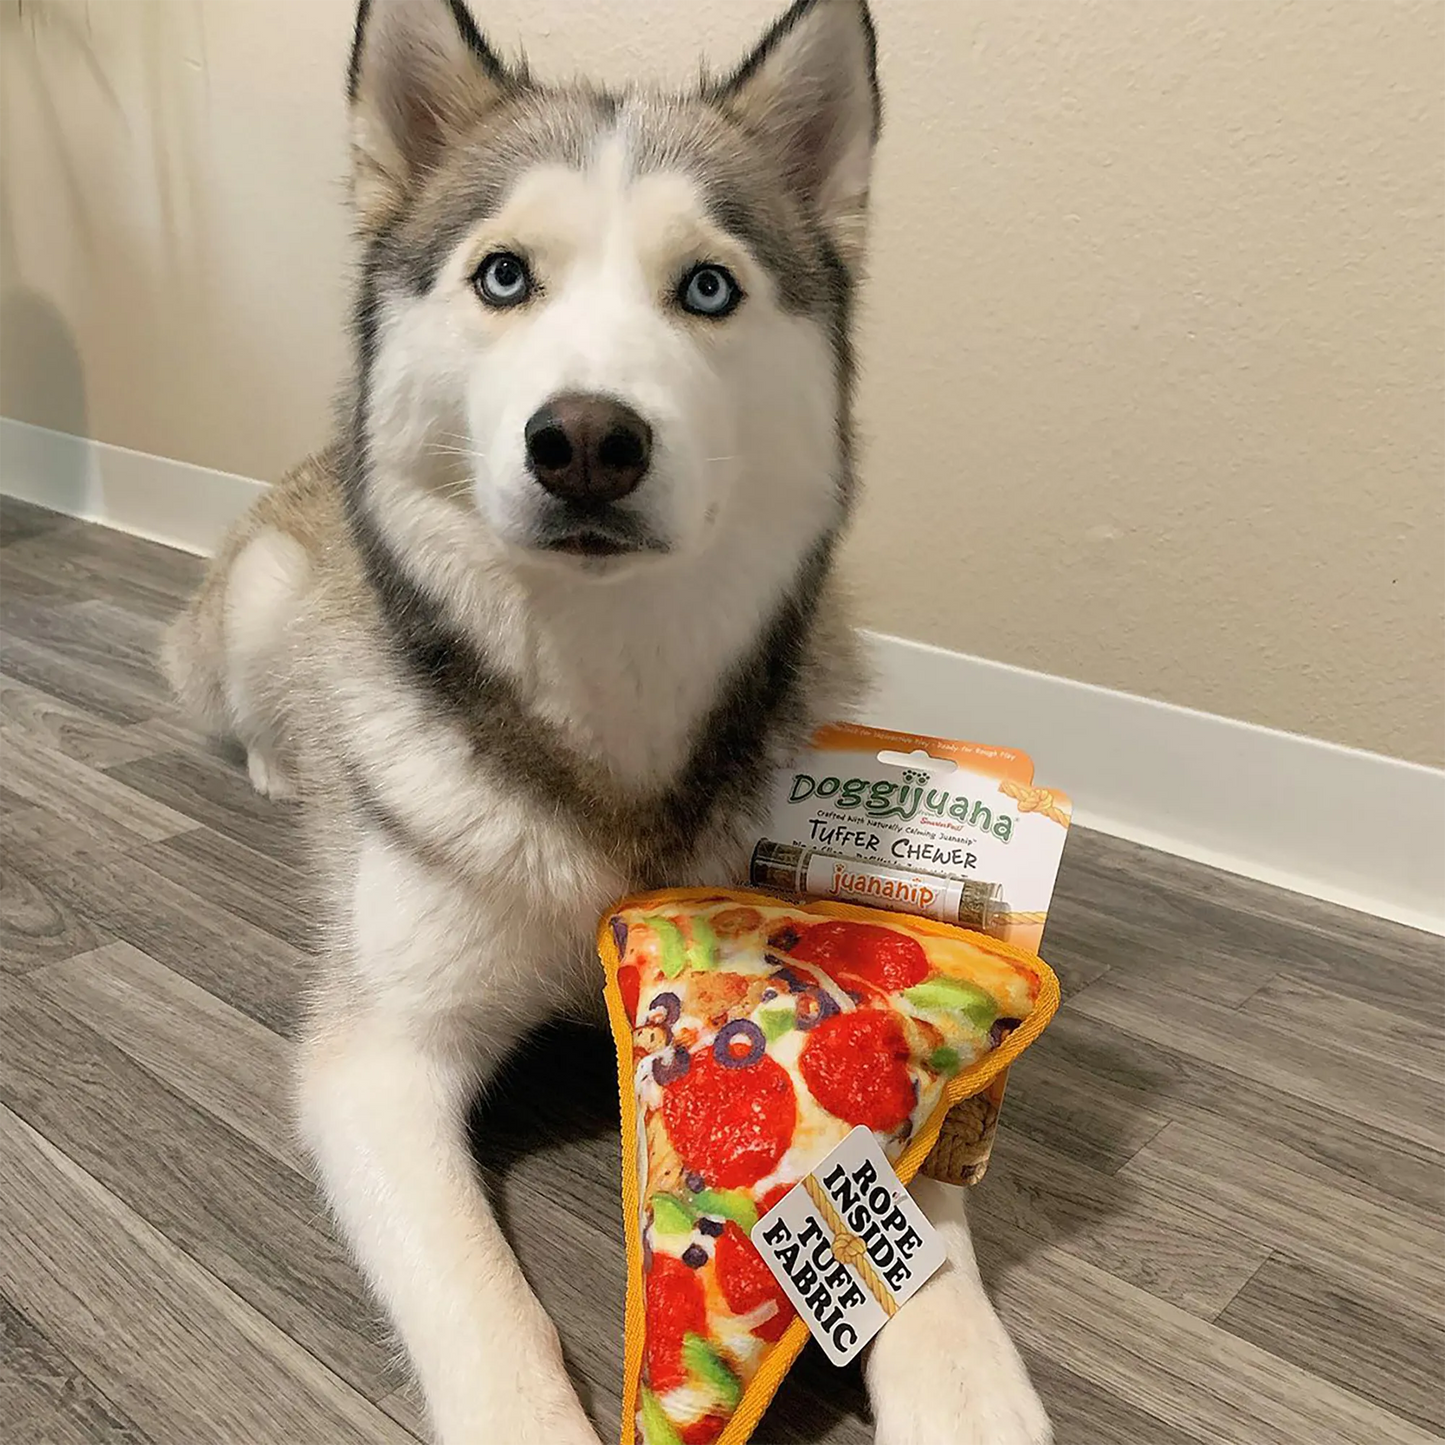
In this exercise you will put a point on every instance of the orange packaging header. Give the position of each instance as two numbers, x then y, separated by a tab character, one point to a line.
947	829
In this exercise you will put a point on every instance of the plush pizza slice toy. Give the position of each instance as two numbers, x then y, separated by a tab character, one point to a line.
752	1037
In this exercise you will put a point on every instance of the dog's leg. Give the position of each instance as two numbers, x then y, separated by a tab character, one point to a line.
263	588
944	1371
385	1113
436	985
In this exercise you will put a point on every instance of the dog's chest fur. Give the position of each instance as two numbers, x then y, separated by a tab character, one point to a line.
521	786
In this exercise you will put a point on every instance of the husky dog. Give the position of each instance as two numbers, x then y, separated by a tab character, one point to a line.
537	628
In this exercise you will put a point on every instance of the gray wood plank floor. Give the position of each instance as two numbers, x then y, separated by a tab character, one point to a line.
1216	1212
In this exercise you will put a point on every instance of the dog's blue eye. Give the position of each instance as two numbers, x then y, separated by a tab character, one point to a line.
503	280
709	291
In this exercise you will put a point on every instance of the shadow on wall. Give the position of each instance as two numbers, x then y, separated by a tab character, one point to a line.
42	377
108	213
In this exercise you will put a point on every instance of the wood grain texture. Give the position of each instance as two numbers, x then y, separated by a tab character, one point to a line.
405	1406
36	925
1088	1414
1381	1350
99	639
20	521
1371	959
91	689
45	1400
259	887
207	789
1104	1071
9	801
1069	1111
1126	924
247	967
143	577
1199	1379
30	716
1359	1028
224	1062
1158	1242
1373	1092
1214	1215
22	588
83	797
1215	1170
251	1223
172	1347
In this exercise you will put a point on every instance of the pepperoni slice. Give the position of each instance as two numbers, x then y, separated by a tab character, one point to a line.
856	1065
629	985
746	1282
703	1431
731	1125
675	1307
866	951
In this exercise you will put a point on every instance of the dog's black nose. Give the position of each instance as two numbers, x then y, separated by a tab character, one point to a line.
588	448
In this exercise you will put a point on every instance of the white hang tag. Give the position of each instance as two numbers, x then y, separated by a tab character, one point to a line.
848	1245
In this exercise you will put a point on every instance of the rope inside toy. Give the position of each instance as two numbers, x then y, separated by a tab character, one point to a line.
849	1249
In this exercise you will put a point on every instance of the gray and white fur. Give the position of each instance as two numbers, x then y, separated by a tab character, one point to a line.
536	628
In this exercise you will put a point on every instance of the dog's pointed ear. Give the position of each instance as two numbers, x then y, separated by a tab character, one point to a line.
419	69
811	87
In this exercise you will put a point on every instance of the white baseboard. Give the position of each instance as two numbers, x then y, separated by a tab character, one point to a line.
178	503
1352	827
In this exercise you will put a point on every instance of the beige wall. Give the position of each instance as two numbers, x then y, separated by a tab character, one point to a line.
1154	352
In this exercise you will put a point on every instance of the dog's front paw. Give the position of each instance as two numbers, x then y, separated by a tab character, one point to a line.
950	1375
562	1423
967	1410
571	1431
269	777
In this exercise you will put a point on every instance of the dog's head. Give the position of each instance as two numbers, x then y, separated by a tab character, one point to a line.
589	323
